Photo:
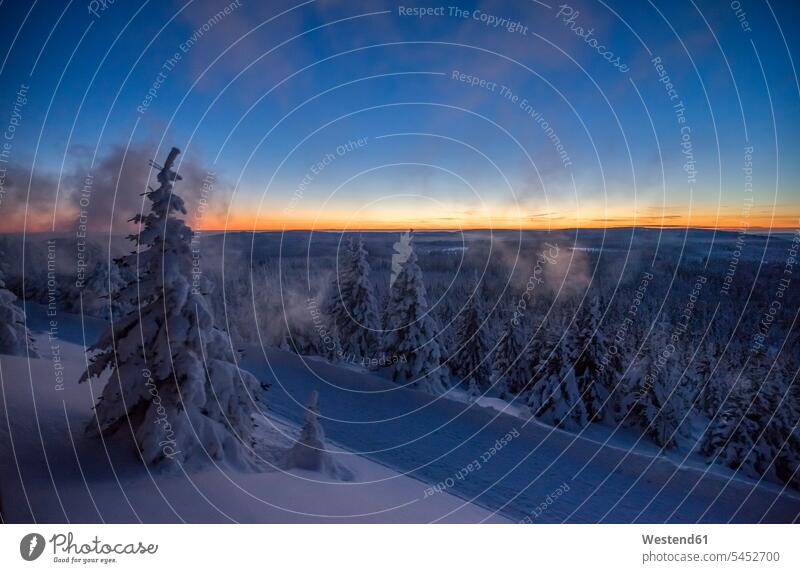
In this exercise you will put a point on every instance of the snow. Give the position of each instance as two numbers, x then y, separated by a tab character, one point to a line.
310	452
435	438
69	476
14	336
620	438
398	443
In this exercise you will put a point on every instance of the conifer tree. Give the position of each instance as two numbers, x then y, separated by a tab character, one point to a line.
710	385
757	430
662	395
555	397
512	374
15	339
412	332
587	349
471	361
174	377
100	294
352	308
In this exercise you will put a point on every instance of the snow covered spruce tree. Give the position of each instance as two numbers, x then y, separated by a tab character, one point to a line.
174	376
710	385
733	438
537	353
613	377
471	364
15	339
587	350
663	398
756	431
412	331
555	397
101	290
448	327
352	308
512	373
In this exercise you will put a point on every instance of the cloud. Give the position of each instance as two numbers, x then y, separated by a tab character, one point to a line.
245	34
106	196
28	198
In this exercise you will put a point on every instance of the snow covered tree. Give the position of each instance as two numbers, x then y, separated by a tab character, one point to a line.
402	249
512	374
412	331
662	395
554	397
783	433
757	431
352	308
537	353
471	360
613	376
711	387
101	290
15	339
587	350
448	328
733	438
174	376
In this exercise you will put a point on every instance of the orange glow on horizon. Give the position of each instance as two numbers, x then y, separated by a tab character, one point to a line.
250	221
780	217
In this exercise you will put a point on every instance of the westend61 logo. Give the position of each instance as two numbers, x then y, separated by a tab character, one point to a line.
66	550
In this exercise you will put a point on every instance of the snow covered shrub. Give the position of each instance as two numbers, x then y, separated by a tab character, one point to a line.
174	376
309	452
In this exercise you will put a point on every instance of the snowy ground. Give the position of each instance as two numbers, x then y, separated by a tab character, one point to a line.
69	477
450	460
450	443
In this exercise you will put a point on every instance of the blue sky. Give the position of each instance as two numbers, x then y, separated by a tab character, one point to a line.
268	90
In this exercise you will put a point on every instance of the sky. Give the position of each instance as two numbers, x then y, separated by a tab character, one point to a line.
387	115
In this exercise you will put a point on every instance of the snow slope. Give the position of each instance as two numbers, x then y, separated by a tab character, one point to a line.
52	472
445	441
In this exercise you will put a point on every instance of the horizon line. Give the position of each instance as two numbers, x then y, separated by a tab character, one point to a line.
780	229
